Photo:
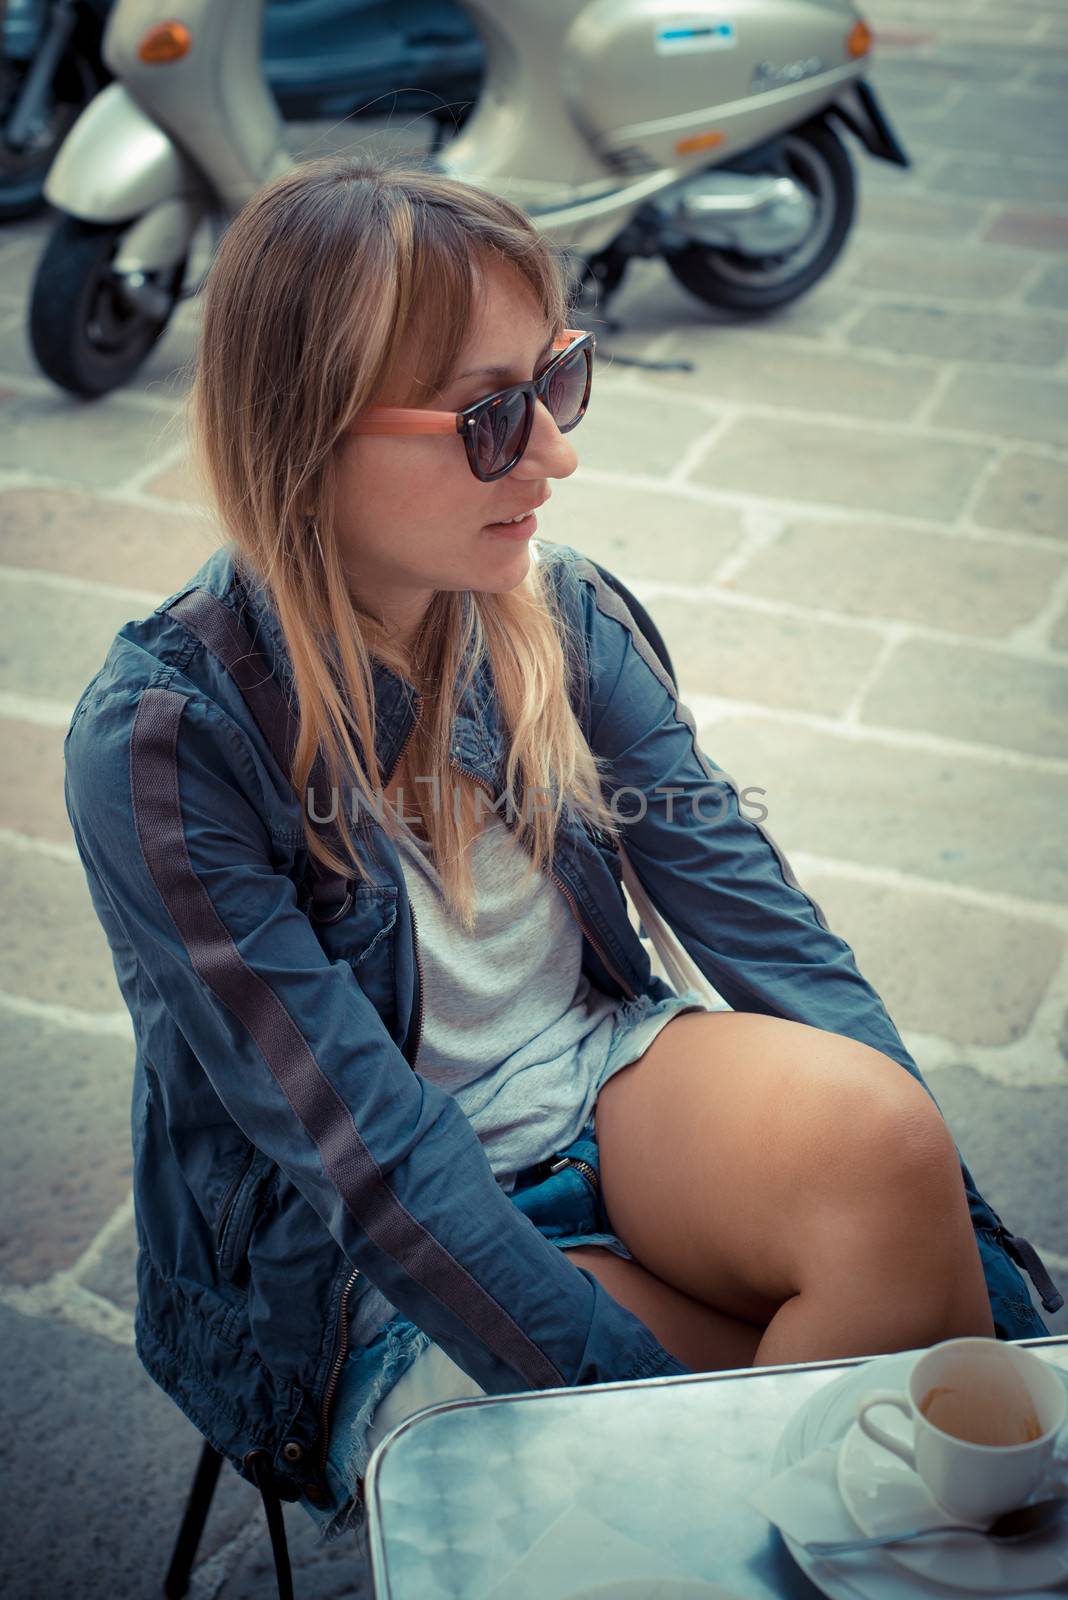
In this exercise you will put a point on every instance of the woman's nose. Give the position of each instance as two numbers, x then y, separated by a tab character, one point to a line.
549	453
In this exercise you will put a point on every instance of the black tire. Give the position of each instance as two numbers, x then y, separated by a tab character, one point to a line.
816	157
23	172
599	278
86	337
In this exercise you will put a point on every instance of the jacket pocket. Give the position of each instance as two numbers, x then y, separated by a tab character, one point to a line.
364	938
237	1215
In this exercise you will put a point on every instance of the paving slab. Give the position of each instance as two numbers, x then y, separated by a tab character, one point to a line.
97	1469
113	1273
103	538
1014	702
972	336
1001	179
1029	230
643	533
943	815
58	955
936	273
830	463
774	659
101	444
67	1162
31	781
1026	493
942	965
883	211
736	368
339	1570
883	570
1020	127
1051	289
1007	405
649	439
55	638
1059	636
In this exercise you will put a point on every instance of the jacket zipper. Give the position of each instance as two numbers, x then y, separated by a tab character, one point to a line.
581	1166
564	890
226	1210
342	1341
418	988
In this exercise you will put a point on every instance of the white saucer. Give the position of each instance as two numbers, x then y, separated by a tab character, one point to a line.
882	1494
829	1414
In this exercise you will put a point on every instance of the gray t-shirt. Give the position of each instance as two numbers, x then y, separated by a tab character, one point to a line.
512	1027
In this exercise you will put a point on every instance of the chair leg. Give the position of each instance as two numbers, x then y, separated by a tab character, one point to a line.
176	1582
260	1466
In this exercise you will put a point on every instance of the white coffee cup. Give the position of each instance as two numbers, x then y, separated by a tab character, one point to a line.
985	1418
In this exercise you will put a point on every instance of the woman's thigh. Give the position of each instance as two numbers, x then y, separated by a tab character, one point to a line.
702	1338
739	1148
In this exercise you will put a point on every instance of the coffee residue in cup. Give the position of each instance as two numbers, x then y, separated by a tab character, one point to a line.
983	1417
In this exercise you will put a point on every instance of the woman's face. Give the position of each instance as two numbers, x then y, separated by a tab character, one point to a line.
412	517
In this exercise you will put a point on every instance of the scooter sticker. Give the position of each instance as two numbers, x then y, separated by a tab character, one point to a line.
673	38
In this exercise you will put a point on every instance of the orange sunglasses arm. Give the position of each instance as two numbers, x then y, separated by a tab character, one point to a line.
396	419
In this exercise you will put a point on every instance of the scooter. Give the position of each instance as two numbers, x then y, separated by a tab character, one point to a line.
324	59
623	128
50	69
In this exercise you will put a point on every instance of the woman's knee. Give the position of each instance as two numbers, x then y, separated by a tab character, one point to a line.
900	1138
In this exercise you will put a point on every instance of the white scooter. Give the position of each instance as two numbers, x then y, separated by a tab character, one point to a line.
705	134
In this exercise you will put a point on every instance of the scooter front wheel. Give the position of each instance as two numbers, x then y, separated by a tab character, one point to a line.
86	334
815	158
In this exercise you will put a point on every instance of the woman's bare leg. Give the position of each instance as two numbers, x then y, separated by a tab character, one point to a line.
701	1338
792	1179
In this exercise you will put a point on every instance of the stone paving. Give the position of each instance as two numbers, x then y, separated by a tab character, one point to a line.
849	522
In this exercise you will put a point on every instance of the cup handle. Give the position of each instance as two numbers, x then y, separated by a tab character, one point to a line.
886	1397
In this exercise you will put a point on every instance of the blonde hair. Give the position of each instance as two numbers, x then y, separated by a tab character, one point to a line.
315	286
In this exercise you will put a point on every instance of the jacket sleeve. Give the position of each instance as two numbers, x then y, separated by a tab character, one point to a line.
168	809
715	874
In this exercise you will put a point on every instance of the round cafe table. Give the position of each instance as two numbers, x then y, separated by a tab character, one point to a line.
499	1497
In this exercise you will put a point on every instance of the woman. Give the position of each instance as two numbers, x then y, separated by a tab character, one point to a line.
471	734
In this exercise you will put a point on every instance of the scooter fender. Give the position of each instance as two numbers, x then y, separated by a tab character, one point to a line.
116	164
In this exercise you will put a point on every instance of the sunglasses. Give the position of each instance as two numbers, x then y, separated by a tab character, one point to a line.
496	430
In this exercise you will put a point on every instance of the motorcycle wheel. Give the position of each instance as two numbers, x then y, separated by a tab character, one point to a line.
814	156
23	172
84	334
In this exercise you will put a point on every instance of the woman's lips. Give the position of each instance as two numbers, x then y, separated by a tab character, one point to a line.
529	521
515	530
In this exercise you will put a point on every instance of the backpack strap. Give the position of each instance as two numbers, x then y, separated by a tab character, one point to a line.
219	631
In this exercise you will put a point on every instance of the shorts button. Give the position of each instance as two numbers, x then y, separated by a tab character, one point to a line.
292	1450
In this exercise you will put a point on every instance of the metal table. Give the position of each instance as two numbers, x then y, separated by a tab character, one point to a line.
461	1491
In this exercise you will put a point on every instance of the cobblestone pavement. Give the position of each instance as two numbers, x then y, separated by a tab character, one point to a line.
850	523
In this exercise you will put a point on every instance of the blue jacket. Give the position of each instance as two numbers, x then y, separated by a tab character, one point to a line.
284	1146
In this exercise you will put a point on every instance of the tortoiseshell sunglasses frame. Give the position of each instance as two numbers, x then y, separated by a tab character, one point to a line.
401	419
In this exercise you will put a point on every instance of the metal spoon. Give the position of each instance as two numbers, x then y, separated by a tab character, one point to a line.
1012	1527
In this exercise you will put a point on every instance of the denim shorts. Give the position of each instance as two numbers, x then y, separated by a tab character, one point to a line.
565	1207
